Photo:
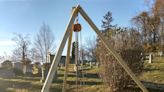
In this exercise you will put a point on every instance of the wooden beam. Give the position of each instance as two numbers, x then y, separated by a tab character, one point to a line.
112	51
67	62
57	57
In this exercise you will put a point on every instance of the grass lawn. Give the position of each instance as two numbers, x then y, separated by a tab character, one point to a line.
153	73
32	84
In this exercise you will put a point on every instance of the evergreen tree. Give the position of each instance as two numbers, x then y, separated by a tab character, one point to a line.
106	22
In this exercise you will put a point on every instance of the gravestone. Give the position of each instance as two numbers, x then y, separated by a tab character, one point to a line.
150	58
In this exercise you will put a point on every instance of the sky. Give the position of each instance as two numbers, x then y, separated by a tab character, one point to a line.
27	16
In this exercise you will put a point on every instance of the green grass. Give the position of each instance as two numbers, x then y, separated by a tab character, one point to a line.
152	73
19	84
92	82
32	84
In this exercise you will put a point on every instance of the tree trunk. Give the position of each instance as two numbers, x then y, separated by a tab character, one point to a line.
154	37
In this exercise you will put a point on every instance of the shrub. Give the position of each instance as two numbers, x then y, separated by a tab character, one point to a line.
127	44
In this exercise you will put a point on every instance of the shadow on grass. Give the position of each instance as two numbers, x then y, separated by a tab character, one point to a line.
85	82
89	75
26	78
148	69
12	85
154	87
55	89
86	75
7	85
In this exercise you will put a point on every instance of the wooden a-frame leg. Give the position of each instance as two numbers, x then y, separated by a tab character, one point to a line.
57	57
67	62
112	51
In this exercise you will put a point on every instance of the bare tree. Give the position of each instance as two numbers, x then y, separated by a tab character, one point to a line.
44	43
89	49
141	23
148	24
16	55
22	49
158	10
34	55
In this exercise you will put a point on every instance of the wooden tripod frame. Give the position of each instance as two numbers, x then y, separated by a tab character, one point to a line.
68	33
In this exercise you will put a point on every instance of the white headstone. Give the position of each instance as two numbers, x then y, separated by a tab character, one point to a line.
150	58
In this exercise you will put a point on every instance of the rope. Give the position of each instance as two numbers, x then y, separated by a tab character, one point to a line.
76	56
76	62
81	55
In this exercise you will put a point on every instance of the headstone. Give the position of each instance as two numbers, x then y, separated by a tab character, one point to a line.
90	63
18	65
75	67
150	58
97	64
161	54
24	69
